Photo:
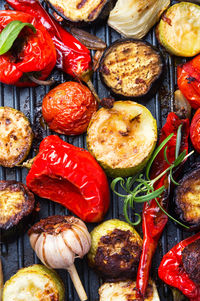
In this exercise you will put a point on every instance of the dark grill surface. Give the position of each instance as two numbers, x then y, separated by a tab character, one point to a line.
18	254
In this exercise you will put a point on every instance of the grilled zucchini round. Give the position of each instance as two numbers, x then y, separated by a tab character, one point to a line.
115	250
131	68
179	29
187	199
15	137
34	283
16	205
123	138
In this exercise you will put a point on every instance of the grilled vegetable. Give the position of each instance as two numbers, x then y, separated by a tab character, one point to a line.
34	283
194	131
16	204
83	11
123	138
115	250
15	137
182	106
134	18
179	29
130	68
126	291
187	199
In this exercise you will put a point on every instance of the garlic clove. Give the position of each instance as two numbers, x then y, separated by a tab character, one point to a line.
65	252
33	239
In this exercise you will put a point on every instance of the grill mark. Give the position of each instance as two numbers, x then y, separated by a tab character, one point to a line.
65	242
78	238
92	14
83	232
81	4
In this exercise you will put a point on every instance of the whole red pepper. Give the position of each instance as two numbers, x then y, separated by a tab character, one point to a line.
33	53
72	56
154	219
70	176
188	79
171	270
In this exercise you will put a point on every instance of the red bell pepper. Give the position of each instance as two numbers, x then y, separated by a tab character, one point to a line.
195	131
171	270
33	53
72	56
154	219
70	176
188	79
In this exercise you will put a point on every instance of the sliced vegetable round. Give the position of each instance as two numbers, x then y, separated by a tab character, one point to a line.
115	250
187	199
82	11
123	138
34	283
15	137
179	29
130	68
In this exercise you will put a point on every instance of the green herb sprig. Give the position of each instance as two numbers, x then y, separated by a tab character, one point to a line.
144	191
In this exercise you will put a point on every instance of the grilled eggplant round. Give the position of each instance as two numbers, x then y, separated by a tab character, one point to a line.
115	250
15	137
16	205
34	283
126	291
187	199
131	68
83	12
123	138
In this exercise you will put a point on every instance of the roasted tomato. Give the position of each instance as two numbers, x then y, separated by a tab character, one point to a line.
68	108
195	131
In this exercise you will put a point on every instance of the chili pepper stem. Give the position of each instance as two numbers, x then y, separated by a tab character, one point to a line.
41	82
91	86
1	280
77	283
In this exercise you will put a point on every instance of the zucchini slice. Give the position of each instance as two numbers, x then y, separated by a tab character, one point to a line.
15	137
179	29
123	138
82	11
126	291
131	68
187	199
34	283
16	205
115	250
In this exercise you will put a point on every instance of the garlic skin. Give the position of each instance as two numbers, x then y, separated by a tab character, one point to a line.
58	240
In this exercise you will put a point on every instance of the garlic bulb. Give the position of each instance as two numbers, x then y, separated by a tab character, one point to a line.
57	241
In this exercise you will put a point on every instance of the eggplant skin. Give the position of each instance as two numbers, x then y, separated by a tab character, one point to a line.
131	68
83	12
16	203
187	199
191	261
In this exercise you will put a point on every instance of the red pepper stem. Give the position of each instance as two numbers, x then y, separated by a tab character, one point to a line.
148	250
41	82
92	88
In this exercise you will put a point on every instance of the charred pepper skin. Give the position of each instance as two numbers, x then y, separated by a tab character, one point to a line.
72	56
70	176
37	55
153	219
171	270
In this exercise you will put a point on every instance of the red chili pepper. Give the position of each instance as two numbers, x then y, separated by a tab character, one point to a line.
171	270
36	55
70	176
154	219
72	56
189	81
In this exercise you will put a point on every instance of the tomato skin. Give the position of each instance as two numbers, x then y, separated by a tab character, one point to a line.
195	131
68	108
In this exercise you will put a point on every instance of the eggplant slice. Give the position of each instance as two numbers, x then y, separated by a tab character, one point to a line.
16	205
131	67
187	199
15	137
82	12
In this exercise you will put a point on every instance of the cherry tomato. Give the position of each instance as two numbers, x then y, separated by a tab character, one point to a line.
68	108
195	131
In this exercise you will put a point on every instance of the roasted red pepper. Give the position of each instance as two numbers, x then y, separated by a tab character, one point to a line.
72	56
172	272
32	53
154	219
70	176
195	131
189	81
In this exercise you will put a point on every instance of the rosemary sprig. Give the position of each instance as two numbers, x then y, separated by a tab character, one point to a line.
144	190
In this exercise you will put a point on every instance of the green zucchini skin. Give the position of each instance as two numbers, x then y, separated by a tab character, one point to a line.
152	87
100	15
